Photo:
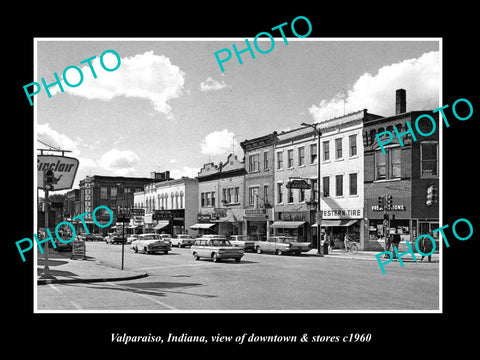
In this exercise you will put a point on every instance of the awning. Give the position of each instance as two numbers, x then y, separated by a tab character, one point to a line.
345	222
287	224
202	226
161	225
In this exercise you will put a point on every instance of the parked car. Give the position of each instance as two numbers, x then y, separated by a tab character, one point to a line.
131	238
282	245
214	236
243	241
115	239
215	249
182	240
150	243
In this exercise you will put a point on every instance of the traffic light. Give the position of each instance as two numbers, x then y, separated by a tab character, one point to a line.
432	195
389	201
48	180
380	201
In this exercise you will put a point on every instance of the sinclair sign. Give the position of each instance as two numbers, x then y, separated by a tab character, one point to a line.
56	172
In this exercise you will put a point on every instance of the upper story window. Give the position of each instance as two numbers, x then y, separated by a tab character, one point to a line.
254	163
429	159
280	160
338	149
388	165
301	156
313	153
326	150
290	158
353	144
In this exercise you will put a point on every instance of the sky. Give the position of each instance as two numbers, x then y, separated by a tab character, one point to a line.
169	106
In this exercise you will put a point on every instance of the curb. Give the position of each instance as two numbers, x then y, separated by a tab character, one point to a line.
66	281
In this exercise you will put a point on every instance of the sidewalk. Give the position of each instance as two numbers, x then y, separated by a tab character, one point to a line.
65	270
371	255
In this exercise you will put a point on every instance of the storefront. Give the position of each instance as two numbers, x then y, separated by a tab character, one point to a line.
337	222
292	223
205	225
258	223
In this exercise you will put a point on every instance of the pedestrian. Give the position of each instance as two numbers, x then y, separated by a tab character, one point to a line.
425	246
395	240
346	239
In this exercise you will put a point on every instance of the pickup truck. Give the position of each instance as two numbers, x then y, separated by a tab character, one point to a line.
282	245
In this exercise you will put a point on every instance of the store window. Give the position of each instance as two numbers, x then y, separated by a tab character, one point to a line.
429	158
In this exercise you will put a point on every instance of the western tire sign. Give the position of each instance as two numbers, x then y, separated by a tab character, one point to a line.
56	172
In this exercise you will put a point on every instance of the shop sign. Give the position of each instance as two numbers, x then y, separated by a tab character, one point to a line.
342	213
394	207
162	215
292	216
78	249
203	218
56	172
255	212
298	184
219	212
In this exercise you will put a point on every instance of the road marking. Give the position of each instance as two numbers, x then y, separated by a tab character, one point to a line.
144	296
74	304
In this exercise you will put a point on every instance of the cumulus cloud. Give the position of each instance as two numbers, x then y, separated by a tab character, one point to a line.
420	77
145	76
219	142
185	171
212	85
120	162
55	139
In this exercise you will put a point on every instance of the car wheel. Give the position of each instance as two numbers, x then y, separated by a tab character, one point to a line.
259	250
135	249
165	252
145	249
279	252
237	260
215	257
195	256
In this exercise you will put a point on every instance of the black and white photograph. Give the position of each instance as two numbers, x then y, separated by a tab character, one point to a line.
297	179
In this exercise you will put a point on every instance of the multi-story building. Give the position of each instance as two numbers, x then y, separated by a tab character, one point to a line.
259	185
170	206
99	190
71	205
408	173
221	197
341	169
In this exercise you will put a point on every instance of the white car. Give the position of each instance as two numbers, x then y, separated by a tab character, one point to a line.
150	243
243	241
182	240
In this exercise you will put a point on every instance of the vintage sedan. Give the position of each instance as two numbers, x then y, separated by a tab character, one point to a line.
115	239
215	249
182	240
150	243
282	245
243	241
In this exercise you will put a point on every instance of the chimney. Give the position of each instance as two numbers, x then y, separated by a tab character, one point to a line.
400	101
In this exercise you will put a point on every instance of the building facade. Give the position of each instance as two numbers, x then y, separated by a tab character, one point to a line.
408	173
259	185
221	198
341	184
170	206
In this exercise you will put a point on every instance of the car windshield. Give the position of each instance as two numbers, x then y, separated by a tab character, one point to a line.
150	237
220	242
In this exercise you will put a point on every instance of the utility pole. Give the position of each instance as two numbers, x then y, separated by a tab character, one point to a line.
316	127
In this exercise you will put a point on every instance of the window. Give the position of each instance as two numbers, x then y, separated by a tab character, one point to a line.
290	158
280	160
353	145
290	195
338	148
265	194
113	193
339	185
326	186
301	195
213	198
313	153
353	184
235	199
252	195
103	193
388	165
279	193
326	150
301	156
254	163
315	190
429	159
265	160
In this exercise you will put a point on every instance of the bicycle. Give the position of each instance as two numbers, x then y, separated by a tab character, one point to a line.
352	247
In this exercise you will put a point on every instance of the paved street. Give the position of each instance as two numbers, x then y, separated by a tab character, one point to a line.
259	282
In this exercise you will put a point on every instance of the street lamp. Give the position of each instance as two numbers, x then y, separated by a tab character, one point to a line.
316	127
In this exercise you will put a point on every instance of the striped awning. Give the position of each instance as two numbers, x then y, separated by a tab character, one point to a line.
202	226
